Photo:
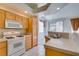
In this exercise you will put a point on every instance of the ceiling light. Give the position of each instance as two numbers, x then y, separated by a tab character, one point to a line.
58	8
26	12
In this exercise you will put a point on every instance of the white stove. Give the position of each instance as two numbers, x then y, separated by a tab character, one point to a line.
16	45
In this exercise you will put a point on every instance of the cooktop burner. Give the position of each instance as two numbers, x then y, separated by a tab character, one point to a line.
9	37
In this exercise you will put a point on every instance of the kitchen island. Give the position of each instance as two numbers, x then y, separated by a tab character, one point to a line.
62	47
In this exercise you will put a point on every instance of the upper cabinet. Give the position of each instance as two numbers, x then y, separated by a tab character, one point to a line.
10	16
25	22
75	23
30	22
19	18
2	19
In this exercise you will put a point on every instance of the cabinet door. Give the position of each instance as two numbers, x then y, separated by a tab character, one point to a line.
10	16
30	25
35	32
2	19
25	22
28	42
75	23
3	48
3	52
19	18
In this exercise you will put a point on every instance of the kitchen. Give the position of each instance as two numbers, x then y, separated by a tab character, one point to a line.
55	25
17	33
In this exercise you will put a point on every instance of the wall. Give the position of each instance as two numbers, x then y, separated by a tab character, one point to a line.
66	25
68	12
41	26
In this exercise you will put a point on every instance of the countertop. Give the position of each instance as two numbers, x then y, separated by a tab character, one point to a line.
69	46
2	40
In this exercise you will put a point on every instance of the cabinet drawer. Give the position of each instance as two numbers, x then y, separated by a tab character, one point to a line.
2	44
3	52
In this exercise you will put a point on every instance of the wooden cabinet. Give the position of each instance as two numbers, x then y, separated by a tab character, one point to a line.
10	16
35	31
30	23
3	48
28	41
33	28
46	38
75	23
25	22
53	52
2	19
19	19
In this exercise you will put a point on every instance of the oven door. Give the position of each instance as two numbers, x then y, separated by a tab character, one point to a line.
15	46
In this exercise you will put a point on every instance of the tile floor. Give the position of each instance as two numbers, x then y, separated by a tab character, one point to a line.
36	51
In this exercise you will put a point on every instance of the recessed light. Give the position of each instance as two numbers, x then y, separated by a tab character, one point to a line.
58	8
25	11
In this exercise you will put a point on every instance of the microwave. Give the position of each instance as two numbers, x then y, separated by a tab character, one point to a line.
13	24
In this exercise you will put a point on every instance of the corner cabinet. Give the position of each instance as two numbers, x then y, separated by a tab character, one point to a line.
75	23
2	19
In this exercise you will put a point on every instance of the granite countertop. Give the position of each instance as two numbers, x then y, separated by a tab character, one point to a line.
2	40
64	45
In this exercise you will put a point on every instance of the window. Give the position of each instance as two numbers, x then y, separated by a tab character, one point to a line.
56	27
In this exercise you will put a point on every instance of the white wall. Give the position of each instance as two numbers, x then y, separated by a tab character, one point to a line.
68	11
41	27
46	27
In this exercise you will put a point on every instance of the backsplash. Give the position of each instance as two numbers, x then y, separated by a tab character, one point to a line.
2	31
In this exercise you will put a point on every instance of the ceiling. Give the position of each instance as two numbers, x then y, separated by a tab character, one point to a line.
16	7
35	5
38	7
53	8
32	5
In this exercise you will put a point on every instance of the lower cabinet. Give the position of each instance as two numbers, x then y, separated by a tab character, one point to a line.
3	48
53	52
3	52
28	42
